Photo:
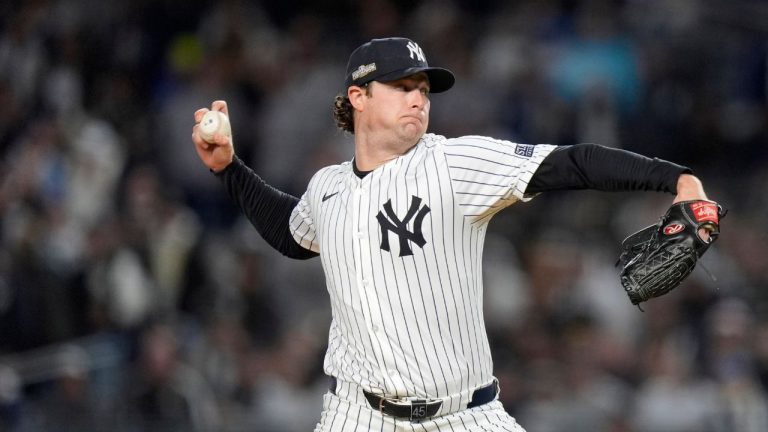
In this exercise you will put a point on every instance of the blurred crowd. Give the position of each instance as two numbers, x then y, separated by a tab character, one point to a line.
134	297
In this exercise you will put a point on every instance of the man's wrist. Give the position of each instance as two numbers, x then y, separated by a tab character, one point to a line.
689	187
220	170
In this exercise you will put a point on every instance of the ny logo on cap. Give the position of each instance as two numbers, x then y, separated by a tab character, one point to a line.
415	49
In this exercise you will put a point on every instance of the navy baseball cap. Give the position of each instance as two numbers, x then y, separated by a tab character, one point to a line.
390	59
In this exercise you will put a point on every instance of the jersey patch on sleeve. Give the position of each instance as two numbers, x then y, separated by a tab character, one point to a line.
524	150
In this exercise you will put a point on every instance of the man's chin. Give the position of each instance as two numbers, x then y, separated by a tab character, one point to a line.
412	133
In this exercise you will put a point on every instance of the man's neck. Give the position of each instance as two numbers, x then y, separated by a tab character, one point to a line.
370	154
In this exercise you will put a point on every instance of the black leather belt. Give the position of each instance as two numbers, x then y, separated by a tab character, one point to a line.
419	409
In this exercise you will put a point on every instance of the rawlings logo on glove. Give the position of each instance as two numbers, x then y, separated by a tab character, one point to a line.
658	258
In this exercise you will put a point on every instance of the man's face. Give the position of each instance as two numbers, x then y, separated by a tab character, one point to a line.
399	107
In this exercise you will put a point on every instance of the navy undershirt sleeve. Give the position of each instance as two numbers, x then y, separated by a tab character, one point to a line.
592	166
268	209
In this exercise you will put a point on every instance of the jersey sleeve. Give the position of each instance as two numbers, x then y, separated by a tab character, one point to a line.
489	174
302	224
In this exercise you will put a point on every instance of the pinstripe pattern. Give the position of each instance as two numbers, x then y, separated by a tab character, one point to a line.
411	324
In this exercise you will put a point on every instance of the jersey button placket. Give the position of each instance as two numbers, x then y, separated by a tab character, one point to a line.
362	252
376	322
361	222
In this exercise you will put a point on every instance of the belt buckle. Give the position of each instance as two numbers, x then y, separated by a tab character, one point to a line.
418	409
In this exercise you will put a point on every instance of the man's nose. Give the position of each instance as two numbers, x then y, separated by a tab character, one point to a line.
417	98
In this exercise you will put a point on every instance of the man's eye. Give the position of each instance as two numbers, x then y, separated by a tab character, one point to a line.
409	88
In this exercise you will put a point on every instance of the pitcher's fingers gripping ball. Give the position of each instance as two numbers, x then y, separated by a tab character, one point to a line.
214	122
656	259
212	136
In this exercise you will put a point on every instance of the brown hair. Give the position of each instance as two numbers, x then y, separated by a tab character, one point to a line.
344	112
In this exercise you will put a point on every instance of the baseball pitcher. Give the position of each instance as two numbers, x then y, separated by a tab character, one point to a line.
400	229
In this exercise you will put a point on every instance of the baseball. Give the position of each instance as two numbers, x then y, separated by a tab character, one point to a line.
214	122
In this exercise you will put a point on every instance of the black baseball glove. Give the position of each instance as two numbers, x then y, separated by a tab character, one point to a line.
658	258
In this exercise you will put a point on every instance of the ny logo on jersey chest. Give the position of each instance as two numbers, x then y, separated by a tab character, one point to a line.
389	221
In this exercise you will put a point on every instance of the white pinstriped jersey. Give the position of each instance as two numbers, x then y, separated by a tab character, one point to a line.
401	250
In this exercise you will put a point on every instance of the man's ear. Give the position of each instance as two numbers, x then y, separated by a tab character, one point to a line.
356	95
